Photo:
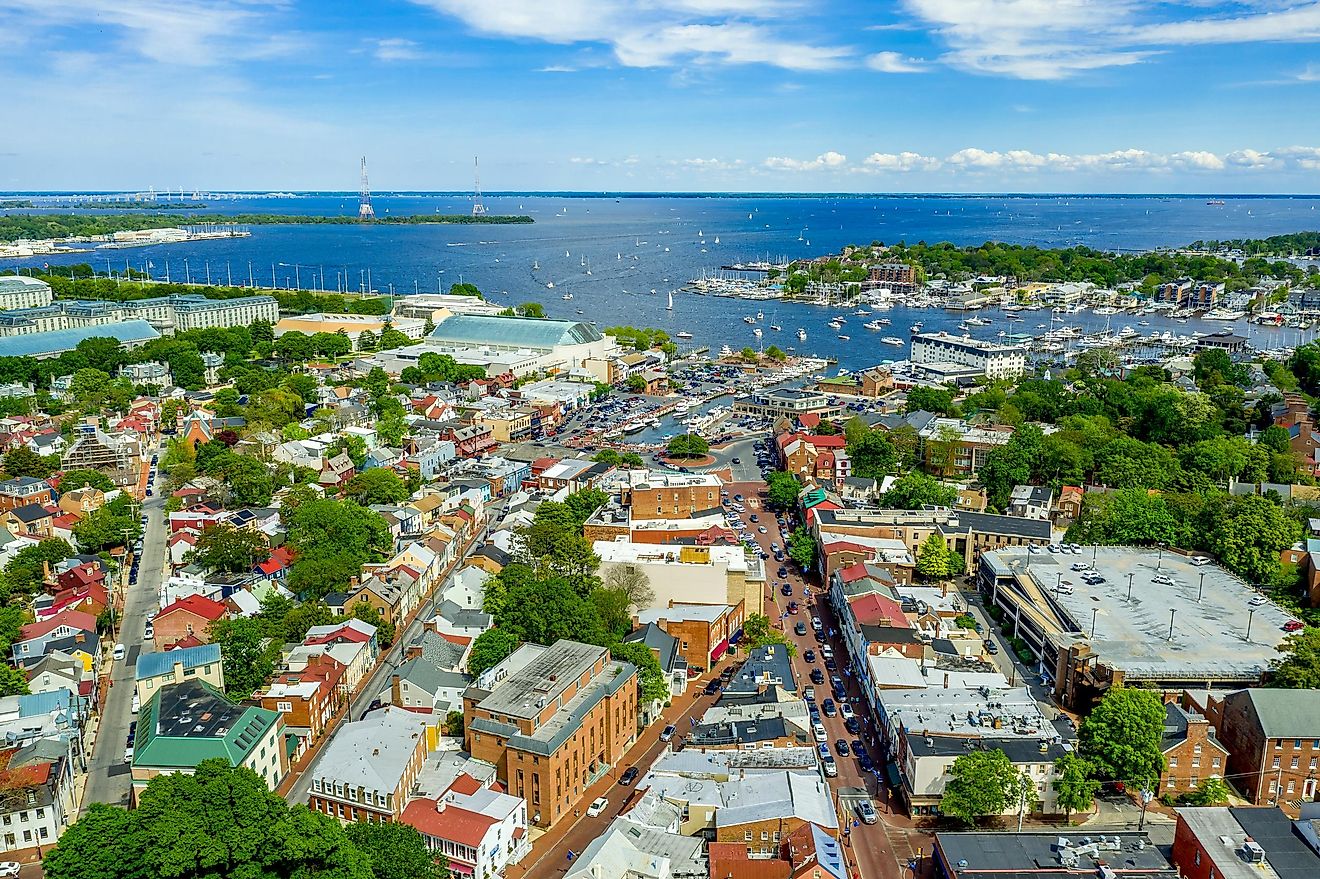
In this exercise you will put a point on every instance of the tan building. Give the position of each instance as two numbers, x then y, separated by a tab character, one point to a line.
552	720
352	325
508	425
690	574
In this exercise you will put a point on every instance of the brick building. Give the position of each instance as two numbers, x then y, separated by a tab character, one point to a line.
672	495
1273	742
703	630
1192	752
552	720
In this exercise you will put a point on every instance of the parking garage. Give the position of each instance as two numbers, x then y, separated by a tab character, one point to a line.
1098	617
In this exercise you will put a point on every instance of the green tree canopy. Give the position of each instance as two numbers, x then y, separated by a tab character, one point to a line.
757	632
379	485
782	490
222	547
489	649
1074	784
75	479
1121	737
688	445
1299	669
914	490
983	784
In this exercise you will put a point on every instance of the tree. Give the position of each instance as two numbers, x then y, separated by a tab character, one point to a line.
22	461
1249	535
75	479
319	574
633	582
396	850
583	503
1073	783
1299	669
688	445
544	611
749	354
222	547
873	455
802	547
326	527
757	632
217	821
650	677
489	649
933	562
12	681
248	659
366	341
27	568
378	485
782	490
984	783
531	309
1122	734
937	400
914	490
636	384
111	525
1213	791
1011	464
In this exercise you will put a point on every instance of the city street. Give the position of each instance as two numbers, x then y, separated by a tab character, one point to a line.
877	850
109	778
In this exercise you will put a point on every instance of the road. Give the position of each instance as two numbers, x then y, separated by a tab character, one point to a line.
109	779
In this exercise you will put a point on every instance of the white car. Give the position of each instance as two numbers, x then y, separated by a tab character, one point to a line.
816	624
1080	566
1257	600
1162	579
846	711
10	868
136	704
600	804
818	732
1200	560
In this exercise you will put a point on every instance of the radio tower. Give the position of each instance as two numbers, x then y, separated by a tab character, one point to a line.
477	207
365	211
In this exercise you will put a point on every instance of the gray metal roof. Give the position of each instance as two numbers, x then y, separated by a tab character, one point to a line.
59	341
1027	855
513	332
1285	714
149	665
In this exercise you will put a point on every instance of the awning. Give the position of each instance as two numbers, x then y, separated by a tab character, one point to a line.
891	769
719	650
458	867
736	637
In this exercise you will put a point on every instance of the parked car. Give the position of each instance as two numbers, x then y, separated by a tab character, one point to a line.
786	590
846	710
712	687
852	725
809	656
600	804
864	761
1294	626
817	676
667	733
629	775
831	768
841	746
829	708
991	647
818	732
10	868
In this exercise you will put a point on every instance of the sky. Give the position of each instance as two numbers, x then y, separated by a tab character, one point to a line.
663	95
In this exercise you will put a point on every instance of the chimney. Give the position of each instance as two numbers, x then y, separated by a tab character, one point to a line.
946	680
440	805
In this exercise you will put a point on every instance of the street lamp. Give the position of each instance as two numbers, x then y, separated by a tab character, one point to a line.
1131	574
1200	588
1146	796
1251	612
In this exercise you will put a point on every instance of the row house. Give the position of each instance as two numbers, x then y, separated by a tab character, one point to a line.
1273	742
481	831
368	768
470	440
29	521
1192	751
703	630
66	629
800	454
308	699
23	491
352	643
186	621
37	794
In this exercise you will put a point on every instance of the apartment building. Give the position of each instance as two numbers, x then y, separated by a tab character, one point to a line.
1273	742
661	495
560	717
369	766
996	361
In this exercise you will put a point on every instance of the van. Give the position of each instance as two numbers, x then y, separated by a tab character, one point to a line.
1200	560
119	651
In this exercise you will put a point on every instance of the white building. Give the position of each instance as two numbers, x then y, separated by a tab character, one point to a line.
479	830
438	306
995	360
18	291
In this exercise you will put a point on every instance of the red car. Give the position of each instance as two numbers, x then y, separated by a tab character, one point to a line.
1294	626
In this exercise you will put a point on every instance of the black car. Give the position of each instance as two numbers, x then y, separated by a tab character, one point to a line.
828	707
801	628
809	656
629	775
817	676
783	571
852	725
712	687
820	637
830	663
736	460
727	674
841	747
786	590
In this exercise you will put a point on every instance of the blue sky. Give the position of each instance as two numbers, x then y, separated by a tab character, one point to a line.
764	95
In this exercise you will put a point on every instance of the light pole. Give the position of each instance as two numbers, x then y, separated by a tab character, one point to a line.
1172	611
1159	560
1146	796
1094	612
1251	612
1130	576
1200	588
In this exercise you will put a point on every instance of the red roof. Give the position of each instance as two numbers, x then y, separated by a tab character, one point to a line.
854	572
845	546
809	420
279	559
460	640
877	610
453	824
199	605
16	778
65	522
185	641
821	441
343	633
73	618
465	784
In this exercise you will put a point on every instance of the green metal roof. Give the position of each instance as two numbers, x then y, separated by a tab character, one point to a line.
59	341
187	723
513	332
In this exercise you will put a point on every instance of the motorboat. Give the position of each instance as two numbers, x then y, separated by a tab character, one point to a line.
893	340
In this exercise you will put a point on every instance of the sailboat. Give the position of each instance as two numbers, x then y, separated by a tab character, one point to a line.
717	239
670	306
619	256
535	265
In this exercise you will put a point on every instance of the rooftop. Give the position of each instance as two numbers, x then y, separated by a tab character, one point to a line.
374	752
513	332
149	665
1209	636
189	722
526	692
1028	855
57	341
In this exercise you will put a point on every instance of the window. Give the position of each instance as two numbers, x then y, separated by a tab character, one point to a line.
747	837
1291	785
41	813
1196	748
1196	761
1297	743
764	836
1295	761
1276	763
1173	759
284	707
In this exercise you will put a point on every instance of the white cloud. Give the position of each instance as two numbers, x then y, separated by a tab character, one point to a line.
196	33
987	160
894	62
1053	39
1198	160
658	33
396	49
905	161
829	159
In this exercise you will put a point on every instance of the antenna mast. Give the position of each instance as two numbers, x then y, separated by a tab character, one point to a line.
477	207
365	210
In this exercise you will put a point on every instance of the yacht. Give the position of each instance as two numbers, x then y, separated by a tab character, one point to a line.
874	325
566	296
776	327
893	340
683	335
801	334
757	332
748	319
861	312
683	408
760	315
916	327
843	338
725	351
550	285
